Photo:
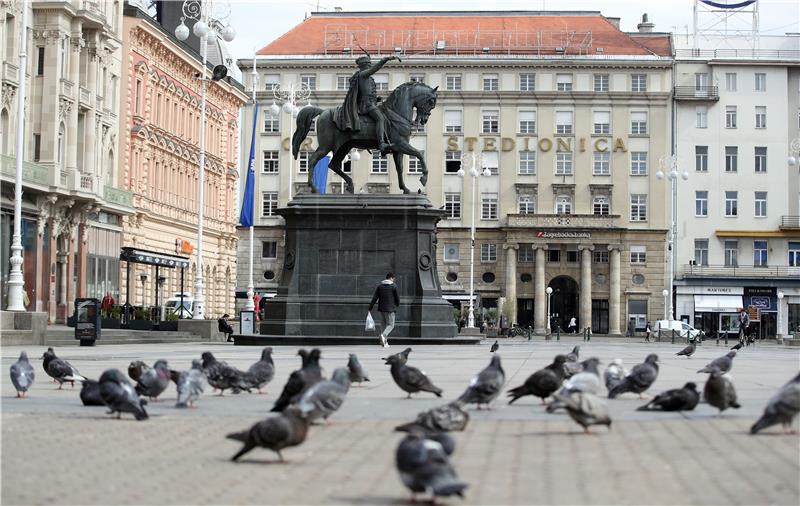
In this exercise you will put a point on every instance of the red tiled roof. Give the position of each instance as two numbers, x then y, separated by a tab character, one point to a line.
659	43
463	33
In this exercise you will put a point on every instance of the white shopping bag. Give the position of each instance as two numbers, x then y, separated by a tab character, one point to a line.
370	322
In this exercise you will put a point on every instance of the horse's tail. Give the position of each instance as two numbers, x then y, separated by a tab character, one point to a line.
304	119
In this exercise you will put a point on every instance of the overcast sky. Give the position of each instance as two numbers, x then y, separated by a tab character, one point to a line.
259	22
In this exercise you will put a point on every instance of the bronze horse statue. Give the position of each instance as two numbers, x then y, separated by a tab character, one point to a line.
400	121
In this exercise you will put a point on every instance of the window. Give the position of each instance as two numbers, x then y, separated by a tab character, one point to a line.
525	253
730	81
563	204
453	121
553	255
701	203
701	116
452	205
601	164
526	204
452	162
563	164
760	204
563	122
414	165
600	82
37	147
564	82
488	252
639	123
491	82
269	249
272	124
760	158
701	252
527	122
491	161
761	116
731	158
638	83
342	82
759	253
380	164
451	252
599	256
761	82
309	80
270	163
271	80
381	81
638	254
731	203
416	78
527	163
491	122
269	204
303	158
638	207
638	163
794	254
730	116
572	255
601	206
701	158
731	253
527	82
138	97
453	82
40	62
701	84
602	123
488	206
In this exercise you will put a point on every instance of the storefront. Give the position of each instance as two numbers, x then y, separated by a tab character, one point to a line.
29	244
712	309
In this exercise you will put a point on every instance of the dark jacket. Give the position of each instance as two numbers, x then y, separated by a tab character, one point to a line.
224	326
386	296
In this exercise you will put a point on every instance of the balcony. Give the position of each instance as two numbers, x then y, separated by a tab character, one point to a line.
790	222
10	73
696	93
32	173
563	220
86	98
66	88
748	271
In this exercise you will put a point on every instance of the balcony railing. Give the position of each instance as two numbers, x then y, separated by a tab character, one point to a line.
748	271
10	72
563	220
791	222
696	93
31	172
86	97
749	54
66	88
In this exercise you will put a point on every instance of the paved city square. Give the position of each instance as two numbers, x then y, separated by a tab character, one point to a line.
55	451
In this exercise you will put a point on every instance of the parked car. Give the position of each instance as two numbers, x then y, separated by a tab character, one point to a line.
173	305
665	327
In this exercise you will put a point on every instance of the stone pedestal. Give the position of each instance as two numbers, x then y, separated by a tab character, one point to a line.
339	248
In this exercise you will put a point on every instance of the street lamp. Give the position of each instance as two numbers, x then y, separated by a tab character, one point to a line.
665	293
793	160
474	159
211	19
779	326
549	291
290	94
671	162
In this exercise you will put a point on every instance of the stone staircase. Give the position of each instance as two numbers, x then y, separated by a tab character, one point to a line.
65	336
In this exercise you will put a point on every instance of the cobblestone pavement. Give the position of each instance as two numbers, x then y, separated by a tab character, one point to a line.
55	451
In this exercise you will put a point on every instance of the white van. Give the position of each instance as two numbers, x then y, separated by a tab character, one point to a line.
171	306
664	328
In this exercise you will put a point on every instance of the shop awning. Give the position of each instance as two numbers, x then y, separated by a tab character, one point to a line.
457	296
717	303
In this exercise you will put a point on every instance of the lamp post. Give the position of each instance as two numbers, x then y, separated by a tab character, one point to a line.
665	293
671	162
549	291
793	160
210	19
290	94
474	159
250	305
779	326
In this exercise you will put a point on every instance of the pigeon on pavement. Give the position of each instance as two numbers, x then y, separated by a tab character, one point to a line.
688	351
587	381
719	391
59	369
90	393
737	346
119	395
410	379
723	364
221	376
543	383
676	399
22	375
782	408
289	428
586	409
136	369
495	347
486	386
445	418
639	379
190	385
153	382
423	464
300	380
572	366
262	372
326	397
357	372
402	356
614	373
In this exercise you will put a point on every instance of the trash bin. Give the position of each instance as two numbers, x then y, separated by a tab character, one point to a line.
87	321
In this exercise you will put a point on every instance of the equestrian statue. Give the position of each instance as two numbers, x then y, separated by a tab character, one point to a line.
366	122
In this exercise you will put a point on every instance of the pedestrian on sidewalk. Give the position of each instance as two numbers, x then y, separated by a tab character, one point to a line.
225	327
572	328
647	332
388	301
744	322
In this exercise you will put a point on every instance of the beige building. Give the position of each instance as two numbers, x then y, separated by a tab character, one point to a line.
569	114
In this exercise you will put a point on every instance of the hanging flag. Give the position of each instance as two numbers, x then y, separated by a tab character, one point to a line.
246	216
321	174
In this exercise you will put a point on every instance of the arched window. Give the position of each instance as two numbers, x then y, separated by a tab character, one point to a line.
62	145
601	206
5	133
564	204
526	204
110	167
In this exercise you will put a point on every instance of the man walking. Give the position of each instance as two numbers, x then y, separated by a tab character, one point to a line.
572	328
744	322
388	300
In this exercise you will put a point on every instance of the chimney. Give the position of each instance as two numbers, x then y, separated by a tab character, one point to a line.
614	21
337	9
645	26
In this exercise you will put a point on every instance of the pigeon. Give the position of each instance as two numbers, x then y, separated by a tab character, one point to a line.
136	369
572	366
262	372
410	379
423	464
688	351
543	382
326	397
676	399
445	418
190	385
275	433
782	408
119	395
402	356
22	375
153	382
587	381
495	347
300	380
737	346
357	372
639	379
586	409
719	391
486	386
90	393
59	369
574	354
723	364
221	376
614	373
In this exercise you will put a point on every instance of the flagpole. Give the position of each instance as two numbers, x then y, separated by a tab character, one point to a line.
250	305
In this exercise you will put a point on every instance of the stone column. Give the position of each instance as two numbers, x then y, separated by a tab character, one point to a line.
614	290
585	305
511	281
540	297
90	133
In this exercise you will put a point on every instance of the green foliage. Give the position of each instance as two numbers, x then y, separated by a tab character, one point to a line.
171	316
141	313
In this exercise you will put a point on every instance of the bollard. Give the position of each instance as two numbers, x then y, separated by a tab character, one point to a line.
558	334
588	333
529	332
726	339
672	339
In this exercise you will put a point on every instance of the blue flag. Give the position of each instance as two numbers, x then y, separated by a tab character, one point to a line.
248	199
321	173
